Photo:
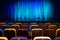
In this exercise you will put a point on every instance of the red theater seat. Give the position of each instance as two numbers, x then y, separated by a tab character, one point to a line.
33	24
47	25
36	32
24	23
22	32
56	24
49	32
42	26
24	26
1	23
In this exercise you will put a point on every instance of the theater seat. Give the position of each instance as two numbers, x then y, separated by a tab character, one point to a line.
56	24
19	38
3	38
24	27
9	32
18	23
53	27
5	26
1	32
24	23
36	32
49	32
47	25
57	38
15	38
58	32
10	23
42	26
16	26
42	38
34	26
22	32
1	23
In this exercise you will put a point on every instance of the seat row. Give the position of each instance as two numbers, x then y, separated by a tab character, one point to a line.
29	26
31	30
46	32
11	32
